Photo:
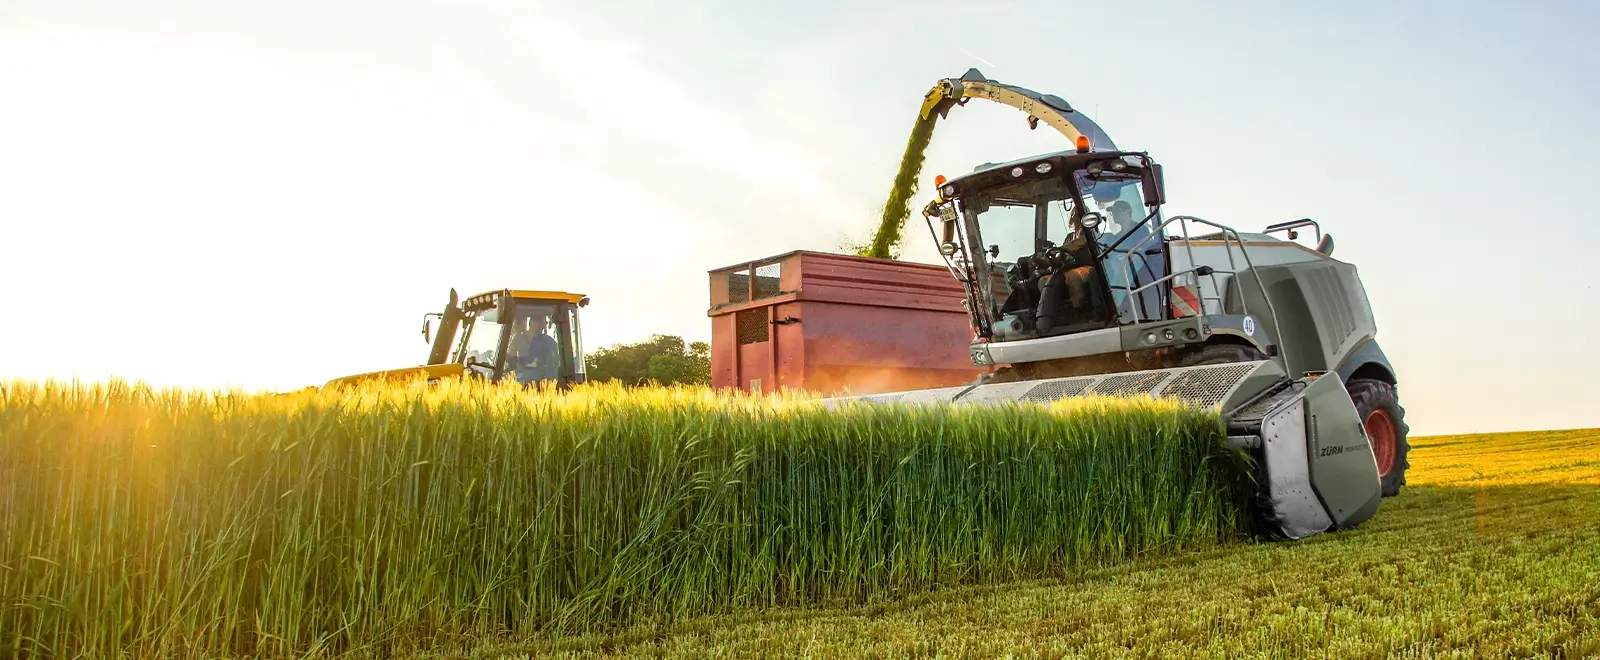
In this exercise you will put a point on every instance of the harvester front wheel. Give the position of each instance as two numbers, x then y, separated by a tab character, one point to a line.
1221	354
1385	424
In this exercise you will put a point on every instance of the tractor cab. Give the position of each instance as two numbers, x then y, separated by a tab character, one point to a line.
1069	240
533	337
1066	263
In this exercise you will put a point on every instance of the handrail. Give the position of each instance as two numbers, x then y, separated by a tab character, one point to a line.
1272	310
1230	237
1189	248
1292	225
1226	231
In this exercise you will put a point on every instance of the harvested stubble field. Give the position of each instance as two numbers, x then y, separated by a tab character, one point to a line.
1491	551
386	521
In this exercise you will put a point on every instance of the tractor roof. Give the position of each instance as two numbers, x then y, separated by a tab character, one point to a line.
989	174
488	298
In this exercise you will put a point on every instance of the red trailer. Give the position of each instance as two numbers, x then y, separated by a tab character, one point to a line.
826	323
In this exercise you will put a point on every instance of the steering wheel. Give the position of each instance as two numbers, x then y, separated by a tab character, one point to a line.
473	364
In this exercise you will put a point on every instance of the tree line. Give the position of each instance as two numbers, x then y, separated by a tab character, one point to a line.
659	360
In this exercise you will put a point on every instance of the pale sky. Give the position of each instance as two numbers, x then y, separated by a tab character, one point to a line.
269	194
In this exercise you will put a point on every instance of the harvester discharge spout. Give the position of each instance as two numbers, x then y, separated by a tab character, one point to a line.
936	104
1048	108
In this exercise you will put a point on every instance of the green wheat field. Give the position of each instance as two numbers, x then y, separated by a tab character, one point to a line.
471	522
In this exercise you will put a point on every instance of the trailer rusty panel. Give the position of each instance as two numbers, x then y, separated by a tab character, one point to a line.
837	323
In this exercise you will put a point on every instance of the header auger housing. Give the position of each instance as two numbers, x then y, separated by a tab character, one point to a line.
1076	284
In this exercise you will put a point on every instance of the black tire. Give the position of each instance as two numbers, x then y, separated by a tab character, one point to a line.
1221	354
1377	397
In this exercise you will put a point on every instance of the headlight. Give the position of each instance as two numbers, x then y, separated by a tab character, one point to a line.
1016	171
947	249
949	191
980	356
1042	168
1090	220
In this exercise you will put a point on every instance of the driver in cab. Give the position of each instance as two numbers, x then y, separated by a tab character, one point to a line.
1118	213
534	355
1118	218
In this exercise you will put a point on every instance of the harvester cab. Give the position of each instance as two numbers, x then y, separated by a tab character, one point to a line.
1076	284
532	337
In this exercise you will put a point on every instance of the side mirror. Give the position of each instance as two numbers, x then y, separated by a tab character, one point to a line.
427	330
1325	246
583	302
503	308
1155	190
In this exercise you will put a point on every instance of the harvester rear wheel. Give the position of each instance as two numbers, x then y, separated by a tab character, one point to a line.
1384	422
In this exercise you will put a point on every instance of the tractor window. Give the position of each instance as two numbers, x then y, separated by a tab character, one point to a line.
536	348
1011	227
1121	203
482	342
577	341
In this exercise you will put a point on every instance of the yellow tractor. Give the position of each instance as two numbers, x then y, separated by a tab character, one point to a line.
533	337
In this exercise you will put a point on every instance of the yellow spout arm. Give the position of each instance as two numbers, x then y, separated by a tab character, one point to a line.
1048	108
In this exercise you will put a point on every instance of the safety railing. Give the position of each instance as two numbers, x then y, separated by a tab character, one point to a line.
1195	267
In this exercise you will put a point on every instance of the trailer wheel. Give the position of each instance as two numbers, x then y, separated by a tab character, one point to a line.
1384	422
1221	354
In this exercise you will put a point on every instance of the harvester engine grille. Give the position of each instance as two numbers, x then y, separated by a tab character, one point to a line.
1204	387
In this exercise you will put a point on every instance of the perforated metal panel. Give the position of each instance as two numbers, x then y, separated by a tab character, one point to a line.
753	327
997	393
1204	387
1058	389
1132	384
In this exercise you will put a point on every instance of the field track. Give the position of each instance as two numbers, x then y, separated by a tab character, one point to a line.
1493	550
